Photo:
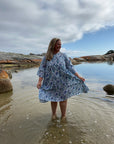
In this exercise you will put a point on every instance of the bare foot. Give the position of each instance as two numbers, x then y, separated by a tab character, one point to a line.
54	117
63	119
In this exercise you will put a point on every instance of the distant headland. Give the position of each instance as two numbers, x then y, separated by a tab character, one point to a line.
107	57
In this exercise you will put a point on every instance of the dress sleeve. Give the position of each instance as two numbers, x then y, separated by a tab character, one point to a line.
69	65
42	67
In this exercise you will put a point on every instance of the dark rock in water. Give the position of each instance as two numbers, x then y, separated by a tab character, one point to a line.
109	89
5	84
16	71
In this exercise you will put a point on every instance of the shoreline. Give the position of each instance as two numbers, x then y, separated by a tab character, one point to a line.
17	61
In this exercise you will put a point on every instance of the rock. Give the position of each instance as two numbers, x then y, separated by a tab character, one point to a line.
5	84
94	58
79	59
110	52
16	71
42	54
109	57
109	89
9	74
31	54
3	74
74	62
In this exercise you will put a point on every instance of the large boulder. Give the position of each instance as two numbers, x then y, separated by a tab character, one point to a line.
5	84
109	89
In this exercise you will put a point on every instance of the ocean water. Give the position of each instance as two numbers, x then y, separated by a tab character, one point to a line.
90	117
101	71
97	75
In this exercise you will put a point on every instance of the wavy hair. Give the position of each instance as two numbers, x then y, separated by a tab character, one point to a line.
50	51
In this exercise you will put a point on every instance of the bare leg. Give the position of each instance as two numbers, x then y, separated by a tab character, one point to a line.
63	106
53	108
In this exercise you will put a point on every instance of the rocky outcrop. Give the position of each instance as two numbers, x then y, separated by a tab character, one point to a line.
11	60
9	73
80	59
110	52
43	54
109	89
5	84
74	62
8	60
96	58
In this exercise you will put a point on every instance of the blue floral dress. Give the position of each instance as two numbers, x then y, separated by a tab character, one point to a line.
59	81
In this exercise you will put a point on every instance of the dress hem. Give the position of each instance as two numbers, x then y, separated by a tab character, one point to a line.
44	101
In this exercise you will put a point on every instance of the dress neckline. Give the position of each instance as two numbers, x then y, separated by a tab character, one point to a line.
57	53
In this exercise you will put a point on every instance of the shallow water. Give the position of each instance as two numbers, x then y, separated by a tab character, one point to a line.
90	117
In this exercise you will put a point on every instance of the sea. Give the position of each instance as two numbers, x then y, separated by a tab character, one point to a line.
90	116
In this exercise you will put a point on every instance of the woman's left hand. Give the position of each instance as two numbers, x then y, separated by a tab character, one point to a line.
76	74
83	79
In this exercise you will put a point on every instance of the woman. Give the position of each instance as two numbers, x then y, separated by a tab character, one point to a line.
60	80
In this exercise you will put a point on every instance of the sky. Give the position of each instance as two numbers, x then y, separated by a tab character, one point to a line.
85	27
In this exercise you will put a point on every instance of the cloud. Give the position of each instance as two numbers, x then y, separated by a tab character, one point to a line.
27	26
72	53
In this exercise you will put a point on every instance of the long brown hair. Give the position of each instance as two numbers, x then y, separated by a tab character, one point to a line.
50	51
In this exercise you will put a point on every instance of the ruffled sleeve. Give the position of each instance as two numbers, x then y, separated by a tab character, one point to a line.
42	67
69	65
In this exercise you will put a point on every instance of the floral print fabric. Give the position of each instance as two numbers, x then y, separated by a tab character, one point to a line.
59	81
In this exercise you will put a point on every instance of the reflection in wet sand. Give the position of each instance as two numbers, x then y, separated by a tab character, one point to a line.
58	132
5	98
5	105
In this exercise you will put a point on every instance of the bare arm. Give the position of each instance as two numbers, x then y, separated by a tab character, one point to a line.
41	72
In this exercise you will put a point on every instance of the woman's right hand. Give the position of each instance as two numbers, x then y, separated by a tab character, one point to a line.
39	82
39	85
